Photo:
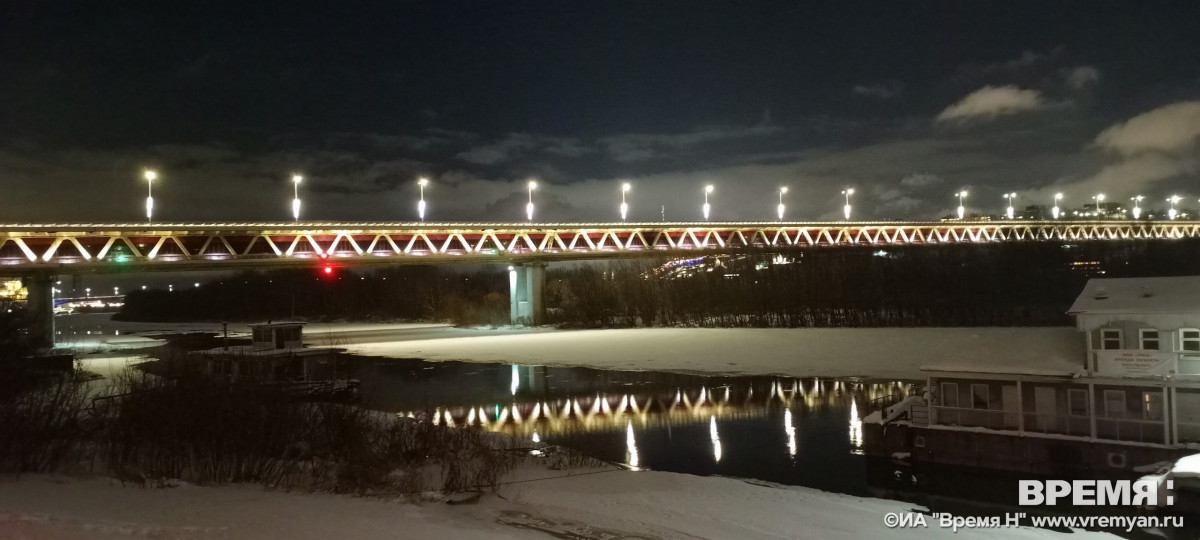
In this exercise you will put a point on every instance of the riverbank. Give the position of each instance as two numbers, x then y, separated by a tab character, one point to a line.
535	505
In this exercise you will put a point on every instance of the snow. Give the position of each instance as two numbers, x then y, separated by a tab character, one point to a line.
642	504
1187	466
1139	295
890	353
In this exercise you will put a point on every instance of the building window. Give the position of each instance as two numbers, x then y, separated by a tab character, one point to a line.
1189	339
1110	338
1152	405
979	396
949	394
1077	401
1148	339
1114	403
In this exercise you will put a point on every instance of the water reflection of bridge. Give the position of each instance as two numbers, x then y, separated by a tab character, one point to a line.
598	411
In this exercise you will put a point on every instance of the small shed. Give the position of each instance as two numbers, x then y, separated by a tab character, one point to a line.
276	335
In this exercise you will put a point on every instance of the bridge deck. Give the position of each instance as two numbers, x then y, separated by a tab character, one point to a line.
114	247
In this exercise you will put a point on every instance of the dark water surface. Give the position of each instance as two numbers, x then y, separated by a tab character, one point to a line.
798	431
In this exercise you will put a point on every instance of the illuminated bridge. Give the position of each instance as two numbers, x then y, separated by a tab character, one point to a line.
39	251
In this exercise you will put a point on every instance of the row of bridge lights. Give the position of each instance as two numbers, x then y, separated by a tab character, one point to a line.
706	208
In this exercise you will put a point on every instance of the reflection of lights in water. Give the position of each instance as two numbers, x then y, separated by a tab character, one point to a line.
790	430
536	439
573	413
631	453
855	429
726	394
716	440
516	379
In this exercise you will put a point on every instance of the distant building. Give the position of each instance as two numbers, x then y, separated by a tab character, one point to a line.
1132	398
1106	210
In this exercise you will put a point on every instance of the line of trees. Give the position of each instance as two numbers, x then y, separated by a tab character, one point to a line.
401	293
974	285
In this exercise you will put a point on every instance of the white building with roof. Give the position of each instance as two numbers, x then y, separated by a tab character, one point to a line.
1127	394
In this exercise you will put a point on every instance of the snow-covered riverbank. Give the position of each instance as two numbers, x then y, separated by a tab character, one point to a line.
618	504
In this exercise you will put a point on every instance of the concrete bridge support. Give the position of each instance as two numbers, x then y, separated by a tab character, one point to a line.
527	294
40	309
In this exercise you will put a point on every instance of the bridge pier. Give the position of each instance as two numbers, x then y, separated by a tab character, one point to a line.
527	294
40	308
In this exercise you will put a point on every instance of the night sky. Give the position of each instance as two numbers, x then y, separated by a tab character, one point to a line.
909	102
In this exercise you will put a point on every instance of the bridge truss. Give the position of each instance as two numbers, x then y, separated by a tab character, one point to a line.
198	246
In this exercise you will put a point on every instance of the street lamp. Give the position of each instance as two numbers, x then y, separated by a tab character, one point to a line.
707	189
624	207
296	196
1054	211
1099	198
846	209
421	182
1009	211
782	190
529	207
149	175
962	211
1172	212
1137	211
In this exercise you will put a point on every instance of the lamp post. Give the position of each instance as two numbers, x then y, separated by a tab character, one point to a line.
1172	212
1137	210
1055	211
1009	211
529	207
846	209
782	190
707	189
296	196
1099	198
624	207
421	183
962	211
150	176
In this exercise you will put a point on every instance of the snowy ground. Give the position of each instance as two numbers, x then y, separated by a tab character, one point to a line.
605	505
825	352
